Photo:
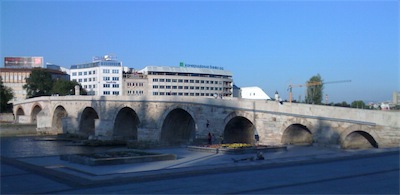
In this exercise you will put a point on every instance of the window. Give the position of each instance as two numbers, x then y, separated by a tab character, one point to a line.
74	74
168	87
115	78
94	72
106	71
174	80
106	78
115	71
180	87
174	87
167	80
186	87
162	87
106	92
186	81
106	85
84	80
79	73
155	93
155	86
80	80
191	81
161	80
155	80
180	81
197	81
85	73
191	87
115	92
115	85
94	78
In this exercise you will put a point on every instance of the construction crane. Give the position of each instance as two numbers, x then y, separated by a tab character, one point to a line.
313	83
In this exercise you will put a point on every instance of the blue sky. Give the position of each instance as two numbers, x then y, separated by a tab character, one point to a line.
263	43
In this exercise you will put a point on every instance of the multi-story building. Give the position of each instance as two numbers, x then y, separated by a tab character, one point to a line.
18	69
134	83
102	76
201	81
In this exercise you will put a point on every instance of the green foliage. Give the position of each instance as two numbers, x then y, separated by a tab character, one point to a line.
39	83
64	87
358	104
6	94
315	90
343	104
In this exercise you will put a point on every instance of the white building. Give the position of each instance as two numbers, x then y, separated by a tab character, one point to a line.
255	93
202	81
102	76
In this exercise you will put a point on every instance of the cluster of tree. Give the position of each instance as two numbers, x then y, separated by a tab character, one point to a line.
40	83
315	94
6	94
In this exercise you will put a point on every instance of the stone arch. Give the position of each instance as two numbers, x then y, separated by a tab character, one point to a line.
238	129
178	127
297	134
87	121
357	137
126	124
20	111
35	111
58	114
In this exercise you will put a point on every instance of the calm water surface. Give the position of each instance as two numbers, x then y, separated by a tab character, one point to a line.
30	146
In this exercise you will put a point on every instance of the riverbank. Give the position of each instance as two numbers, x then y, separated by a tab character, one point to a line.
12	129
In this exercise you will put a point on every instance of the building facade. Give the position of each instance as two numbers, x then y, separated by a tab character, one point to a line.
15	78
18	69
102	76
179	81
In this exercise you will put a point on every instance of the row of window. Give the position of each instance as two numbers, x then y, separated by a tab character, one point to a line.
109	85
134	84
108	78
109	93
135	92
89	86
86	80
92	72
107	71
186	87
84	73
187	81
184	94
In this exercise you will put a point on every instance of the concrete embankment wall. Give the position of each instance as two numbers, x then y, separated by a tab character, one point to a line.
7	129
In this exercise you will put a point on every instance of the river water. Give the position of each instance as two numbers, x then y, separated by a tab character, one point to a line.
34	146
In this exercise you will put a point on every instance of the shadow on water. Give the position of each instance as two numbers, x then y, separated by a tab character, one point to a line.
35	146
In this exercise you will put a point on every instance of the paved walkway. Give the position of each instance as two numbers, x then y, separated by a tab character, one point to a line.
56	174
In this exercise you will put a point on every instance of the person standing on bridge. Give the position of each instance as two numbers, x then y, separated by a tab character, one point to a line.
209	138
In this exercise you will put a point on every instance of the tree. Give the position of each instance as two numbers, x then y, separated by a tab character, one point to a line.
65	87
358	104
39	83
315	92
6	94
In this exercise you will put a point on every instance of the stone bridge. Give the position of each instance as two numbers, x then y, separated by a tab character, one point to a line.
184	120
